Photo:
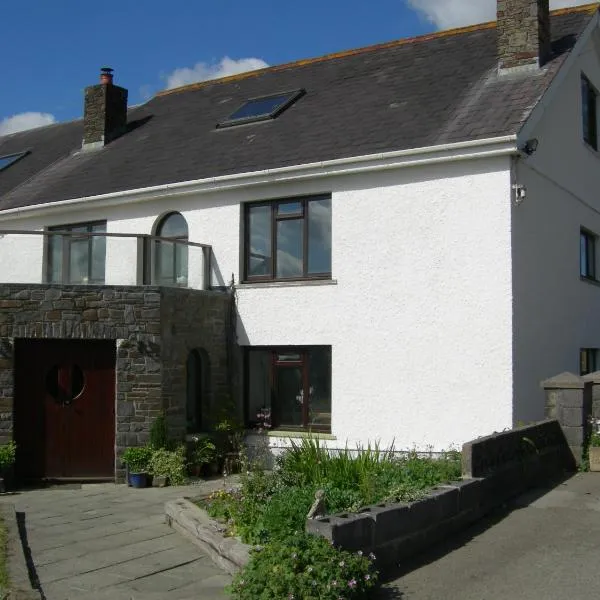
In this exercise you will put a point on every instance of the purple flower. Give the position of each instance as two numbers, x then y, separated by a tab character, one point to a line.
352	583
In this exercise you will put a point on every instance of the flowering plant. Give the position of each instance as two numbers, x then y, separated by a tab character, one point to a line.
595	438
305	567
263	419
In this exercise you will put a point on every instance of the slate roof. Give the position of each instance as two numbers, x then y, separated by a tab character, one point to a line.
413	93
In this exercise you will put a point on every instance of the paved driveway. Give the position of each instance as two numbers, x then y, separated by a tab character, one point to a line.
106	541
546	548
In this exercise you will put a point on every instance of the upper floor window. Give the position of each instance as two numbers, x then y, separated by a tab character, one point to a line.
172	257
589	109
588	360
77	257
587	254
288	239
9	159
262	109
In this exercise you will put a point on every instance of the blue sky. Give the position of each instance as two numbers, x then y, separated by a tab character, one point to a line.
52	49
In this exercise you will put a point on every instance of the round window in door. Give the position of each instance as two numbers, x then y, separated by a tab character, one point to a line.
65	383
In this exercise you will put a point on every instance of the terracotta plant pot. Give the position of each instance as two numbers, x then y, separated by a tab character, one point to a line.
195	470
594	456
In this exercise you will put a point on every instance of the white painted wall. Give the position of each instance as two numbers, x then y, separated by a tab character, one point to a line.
419	313
555	313
21	257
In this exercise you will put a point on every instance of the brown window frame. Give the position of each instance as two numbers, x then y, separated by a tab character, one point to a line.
587	254
275	218
589	112
588	360
274	363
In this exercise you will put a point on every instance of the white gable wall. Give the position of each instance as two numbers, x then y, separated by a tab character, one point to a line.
555	312
419	312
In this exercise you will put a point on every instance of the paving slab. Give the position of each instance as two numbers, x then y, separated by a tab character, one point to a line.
101	541
545	545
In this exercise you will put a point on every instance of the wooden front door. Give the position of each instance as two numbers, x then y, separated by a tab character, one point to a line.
64	415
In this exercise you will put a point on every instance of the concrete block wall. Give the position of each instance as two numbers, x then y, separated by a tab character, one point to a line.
496	468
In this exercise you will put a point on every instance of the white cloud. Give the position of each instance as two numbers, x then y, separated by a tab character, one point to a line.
446	14
202	71
26	120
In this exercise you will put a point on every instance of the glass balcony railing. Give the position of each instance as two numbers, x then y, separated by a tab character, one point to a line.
92	257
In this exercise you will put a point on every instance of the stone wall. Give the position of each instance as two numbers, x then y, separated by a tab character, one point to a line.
594	378
523	32
153	329
105	113
569	400
193	321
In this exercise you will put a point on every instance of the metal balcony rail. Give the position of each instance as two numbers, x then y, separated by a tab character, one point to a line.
88	257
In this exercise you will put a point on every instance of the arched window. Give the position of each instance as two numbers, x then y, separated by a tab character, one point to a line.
172	257
197	374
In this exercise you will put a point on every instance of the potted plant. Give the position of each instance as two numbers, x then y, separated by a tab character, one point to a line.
594	452
202	453
168	466
7	462
137	459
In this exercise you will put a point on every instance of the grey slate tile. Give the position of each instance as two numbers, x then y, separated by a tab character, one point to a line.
402	95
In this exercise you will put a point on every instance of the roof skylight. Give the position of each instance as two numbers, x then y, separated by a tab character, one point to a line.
262	108
9	159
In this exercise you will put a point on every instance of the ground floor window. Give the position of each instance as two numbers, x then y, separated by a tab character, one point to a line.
197	374
289	387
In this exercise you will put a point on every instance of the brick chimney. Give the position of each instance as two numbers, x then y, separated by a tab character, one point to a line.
523	33
105	111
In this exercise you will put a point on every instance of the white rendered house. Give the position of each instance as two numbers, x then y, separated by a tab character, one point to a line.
412	244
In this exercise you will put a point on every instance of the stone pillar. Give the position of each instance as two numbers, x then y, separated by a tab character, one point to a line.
569	400
595	379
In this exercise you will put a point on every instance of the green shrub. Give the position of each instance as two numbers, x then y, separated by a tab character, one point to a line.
159	434
203	451
595	440
304	567
137	458
7	455
342	500
169	463
366	475
284	513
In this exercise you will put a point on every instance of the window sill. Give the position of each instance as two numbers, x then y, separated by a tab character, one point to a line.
591	148
590	280
280	284
280	433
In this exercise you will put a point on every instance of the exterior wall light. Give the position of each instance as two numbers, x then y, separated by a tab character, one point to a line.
530	146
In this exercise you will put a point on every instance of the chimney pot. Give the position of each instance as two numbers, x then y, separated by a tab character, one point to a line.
106	75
